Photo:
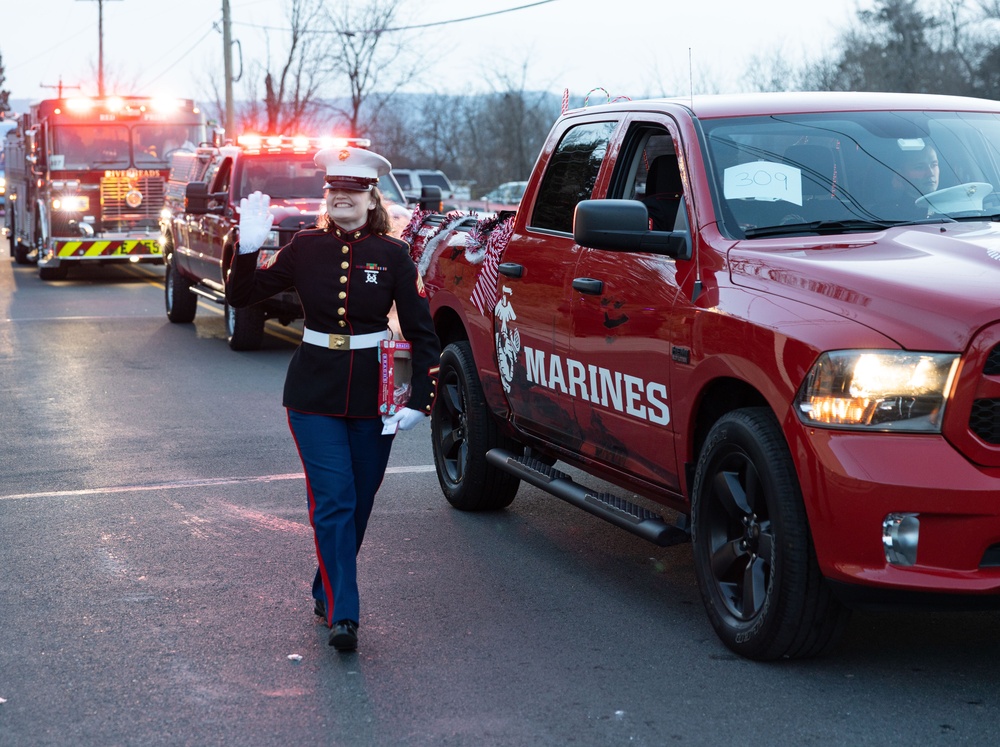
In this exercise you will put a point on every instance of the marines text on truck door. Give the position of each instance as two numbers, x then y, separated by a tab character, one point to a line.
87	176
776	315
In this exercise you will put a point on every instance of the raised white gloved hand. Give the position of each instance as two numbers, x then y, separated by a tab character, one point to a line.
404	419
255	222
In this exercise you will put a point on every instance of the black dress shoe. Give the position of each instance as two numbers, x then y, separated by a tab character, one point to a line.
319	608
344	635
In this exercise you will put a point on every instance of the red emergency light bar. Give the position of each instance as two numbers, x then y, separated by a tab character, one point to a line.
252	143
119	105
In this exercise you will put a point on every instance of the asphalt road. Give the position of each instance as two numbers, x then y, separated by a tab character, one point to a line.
155	562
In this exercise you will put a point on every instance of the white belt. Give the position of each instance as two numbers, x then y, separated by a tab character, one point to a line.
344	342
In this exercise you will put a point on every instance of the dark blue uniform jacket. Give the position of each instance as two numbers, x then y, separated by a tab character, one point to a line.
347	282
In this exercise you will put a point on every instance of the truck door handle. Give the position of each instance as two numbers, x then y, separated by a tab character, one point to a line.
589	286
511	269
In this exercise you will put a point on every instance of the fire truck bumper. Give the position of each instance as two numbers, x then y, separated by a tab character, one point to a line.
127	250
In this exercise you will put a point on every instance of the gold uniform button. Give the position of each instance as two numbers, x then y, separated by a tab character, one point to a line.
342	295
345	249
344	265
342	323
341	311
343	278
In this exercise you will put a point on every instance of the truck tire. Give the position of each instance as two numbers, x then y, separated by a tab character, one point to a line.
180	302
245	327
20	250
753	553
462	431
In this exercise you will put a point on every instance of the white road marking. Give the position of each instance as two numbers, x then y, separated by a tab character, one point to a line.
183	484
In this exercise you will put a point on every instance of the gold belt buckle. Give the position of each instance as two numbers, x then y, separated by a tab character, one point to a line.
340	342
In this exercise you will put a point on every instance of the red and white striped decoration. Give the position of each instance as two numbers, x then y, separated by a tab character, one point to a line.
484	294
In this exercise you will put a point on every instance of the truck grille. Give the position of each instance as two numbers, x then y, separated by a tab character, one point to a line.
984	420
115	209
972	421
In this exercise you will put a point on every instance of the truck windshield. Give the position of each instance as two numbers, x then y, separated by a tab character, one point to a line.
155	143
788	174
89	146
282	176
119	146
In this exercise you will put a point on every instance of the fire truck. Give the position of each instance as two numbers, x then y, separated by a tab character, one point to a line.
86	178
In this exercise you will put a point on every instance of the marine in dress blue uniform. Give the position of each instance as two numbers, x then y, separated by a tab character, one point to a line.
347	280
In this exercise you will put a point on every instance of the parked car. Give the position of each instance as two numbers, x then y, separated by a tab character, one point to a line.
413	180
505	197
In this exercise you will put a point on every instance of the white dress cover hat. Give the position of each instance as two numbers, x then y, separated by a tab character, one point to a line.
351	168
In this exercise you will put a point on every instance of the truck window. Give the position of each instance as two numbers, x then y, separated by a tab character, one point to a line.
83	146
570	175
154	144
648	171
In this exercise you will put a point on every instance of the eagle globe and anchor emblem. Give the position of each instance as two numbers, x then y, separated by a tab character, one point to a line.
508	339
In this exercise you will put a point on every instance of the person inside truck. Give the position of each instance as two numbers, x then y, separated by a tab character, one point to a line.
348	273
916	172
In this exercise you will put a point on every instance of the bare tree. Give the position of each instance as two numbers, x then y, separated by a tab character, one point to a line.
283	97
772	72
290	92
367	51
898	46
4	95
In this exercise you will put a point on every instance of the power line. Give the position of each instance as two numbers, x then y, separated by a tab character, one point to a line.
404	28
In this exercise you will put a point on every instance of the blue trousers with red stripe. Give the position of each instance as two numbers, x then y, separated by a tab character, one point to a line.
344	461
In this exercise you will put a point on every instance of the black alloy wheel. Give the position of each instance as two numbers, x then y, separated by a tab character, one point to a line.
462	431
754	558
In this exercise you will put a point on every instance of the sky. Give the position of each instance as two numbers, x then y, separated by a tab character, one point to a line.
594	48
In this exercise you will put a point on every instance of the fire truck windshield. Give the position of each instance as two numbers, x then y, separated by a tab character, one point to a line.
119	146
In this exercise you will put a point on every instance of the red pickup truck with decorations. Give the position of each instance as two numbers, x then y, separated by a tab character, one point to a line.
773	320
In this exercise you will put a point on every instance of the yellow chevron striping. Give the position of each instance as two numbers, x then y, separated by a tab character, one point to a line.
96	249
66	249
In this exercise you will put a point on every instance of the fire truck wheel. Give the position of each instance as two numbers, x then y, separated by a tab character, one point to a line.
20	250
245	327
462	431
181	303
753	554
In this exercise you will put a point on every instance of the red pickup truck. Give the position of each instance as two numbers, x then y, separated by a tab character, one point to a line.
775	317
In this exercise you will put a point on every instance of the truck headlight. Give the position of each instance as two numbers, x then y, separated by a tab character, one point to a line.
272	239
71	203
882	390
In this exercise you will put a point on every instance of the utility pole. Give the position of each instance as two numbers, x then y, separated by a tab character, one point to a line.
59	87
227	59
100	44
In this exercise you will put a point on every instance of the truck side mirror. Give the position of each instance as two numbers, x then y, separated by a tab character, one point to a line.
197	199
430	199
623	226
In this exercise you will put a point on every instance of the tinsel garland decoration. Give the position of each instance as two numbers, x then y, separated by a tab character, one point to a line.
484	294
450	223
485	244
411	234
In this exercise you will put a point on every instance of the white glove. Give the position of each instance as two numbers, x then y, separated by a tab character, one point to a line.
255	222
404	419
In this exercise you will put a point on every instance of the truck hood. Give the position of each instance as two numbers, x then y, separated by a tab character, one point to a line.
306	209
926	287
